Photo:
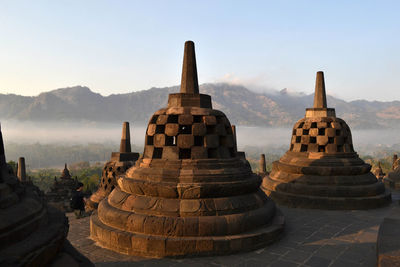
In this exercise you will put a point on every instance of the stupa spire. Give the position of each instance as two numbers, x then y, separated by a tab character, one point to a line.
21	173
125	146
189	82
320	94
263	165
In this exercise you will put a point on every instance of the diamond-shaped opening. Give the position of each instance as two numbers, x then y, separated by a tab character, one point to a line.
185	129
321	148
197	118
303	148
157	153
109	180
150	140
198	141
212	153
184	153
154	119
160	129
172	119
321	131
112	187
313	139
331	140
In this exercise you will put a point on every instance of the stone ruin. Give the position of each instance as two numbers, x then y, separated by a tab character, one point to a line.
60	193
31	232
118	164
189	193
321	168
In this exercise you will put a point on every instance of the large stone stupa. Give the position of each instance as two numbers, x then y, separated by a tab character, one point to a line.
189	194
321	168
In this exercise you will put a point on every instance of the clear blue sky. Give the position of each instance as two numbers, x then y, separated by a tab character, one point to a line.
122	46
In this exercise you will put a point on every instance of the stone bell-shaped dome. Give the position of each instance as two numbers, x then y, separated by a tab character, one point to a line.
321	168
189	194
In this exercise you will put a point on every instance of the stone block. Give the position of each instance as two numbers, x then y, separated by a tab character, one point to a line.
199	129
151	129
162	119
171	129
305	139
211	140
313	132
171	152
322	140
185	119
330	132
220	129
322	124
339	140
312	148
299	132
226	141
185	140
330	148
159	140
148	151
199	152
296	147
336	125
210	120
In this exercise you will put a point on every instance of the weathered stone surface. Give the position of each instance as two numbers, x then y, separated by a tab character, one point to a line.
321	168
191	193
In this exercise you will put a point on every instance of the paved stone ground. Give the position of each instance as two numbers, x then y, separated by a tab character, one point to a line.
312	238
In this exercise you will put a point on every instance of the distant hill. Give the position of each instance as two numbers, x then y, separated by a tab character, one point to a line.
242	106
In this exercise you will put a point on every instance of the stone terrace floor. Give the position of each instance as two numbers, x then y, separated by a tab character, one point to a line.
312	238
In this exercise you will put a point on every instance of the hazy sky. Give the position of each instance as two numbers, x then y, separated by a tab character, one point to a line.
122	46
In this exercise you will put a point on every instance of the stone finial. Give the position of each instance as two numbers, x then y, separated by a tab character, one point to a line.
320	94
234	136
125	145
189	82
21	173
263	165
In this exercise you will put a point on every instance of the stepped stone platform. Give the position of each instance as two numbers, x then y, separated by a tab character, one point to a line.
335	238
191	193
321	169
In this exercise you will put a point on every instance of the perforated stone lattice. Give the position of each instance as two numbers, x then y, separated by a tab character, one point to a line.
329	135
186	136
110	172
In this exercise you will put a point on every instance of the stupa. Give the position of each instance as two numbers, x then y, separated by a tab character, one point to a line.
321	168
190	193
118	164
378	172
60	193
31	233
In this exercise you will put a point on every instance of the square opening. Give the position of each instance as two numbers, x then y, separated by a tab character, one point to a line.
331	140
313	139
298	139
339	148
219	119
150	140
198	141
321	131
197	118
305	132
185	129
291	147
157	153
313	125
303	148
172	119
170	140
211	129
294	132
301	125
160	129
212	153
321	148
184	153
337	132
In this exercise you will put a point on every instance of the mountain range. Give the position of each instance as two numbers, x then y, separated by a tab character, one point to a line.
241	105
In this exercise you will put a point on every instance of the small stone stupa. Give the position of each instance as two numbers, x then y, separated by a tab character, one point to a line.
321	168
60	193
392	179
118	164
190	193
31	233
